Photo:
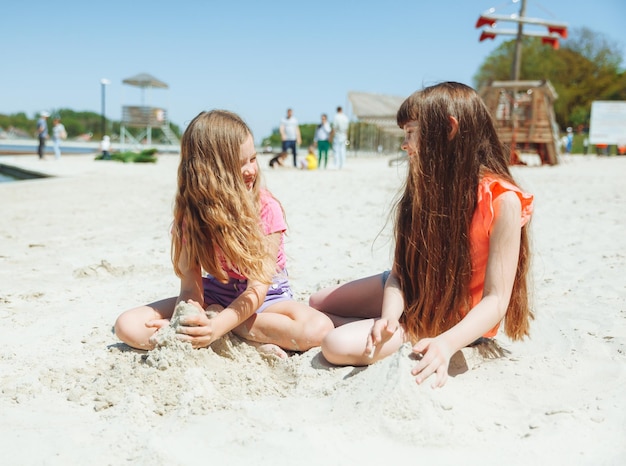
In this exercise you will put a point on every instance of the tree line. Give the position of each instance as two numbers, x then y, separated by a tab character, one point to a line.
77	124
587	67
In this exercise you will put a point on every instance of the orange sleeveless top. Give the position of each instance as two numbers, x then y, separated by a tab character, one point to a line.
489	188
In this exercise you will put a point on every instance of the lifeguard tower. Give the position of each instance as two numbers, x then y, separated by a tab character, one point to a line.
524	116
145	116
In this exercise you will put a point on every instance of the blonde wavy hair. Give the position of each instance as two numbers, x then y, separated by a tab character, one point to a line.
214	213
434	213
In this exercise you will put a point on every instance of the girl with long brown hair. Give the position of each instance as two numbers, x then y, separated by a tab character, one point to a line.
461	245
227	249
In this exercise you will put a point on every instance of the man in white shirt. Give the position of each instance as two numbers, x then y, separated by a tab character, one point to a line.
290	135
340	136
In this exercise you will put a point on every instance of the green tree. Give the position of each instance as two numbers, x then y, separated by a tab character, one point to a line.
307	132
273	139
19	121
584	69
76	124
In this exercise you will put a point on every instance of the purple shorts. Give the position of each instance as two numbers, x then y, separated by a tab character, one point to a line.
216	292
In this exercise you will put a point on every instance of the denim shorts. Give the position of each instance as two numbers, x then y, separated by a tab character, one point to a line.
385	276
216	292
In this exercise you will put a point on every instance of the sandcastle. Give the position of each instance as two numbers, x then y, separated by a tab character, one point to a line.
167	335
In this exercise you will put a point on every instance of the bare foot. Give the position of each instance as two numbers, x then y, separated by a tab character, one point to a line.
269	349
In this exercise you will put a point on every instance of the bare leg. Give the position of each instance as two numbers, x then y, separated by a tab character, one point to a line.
264	348
358	299
130	326
345	345
291	325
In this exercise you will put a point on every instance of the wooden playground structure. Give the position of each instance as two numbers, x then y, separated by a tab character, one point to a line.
524	116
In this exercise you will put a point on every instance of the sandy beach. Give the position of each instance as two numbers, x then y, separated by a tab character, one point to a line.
78	248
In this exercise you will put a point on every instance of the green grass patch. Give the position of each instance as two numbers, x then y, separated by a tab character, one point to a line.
145	156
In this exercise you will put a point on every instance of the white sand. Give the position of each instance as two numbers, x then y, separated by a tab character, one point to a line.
77	250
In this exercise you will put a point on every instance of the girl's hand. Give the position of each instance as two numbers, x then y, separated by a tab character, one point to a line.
382	331
196	329
436	356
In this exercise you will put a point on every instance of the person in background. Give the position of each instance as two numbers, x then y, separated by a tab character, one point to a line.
105	147
58	135
462	252
290	135
228	251
278	160
310	161
569	141
322	140
42	133
340	136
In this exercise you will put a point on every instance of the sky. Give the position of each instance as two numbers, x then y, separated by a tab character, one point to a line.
256	58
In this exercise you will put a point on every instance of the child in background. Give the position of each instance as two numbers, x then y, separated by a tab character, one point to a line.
105	147
310	161
227	250
278	160
461	253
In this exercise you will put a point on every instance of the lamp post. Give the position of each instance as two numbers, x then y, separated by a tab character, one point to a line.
103	83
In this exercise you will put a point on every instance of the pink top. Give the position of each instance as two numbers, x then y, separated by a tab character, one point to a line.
272	221
489	188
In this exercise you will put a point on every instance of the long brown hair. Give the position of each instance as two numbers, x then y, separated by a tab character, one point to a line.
434	213
214	213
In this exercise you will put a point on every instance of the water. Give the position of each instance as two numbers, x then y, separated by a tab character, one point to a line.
6	178
9	173
32	149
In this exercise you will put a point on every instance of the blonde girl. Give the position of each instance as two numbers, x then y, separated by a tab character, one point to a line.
461	245
227	249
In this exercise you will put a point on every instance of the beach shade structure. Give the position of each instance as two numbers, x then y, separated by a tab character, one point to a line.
376	125
145	80
524	116
144	115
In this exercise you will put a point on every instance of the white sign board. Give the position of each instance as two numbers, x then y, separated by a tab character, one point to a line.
608	122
